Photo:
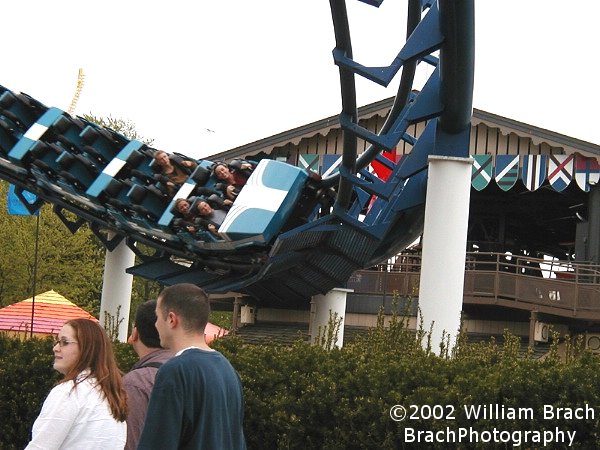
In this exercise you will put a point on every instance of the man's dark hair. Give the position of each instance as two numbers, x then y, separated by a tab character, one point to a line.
189	302
144	321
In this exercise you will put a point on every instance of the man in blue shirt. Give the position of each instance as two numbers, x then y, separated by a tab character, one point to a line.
197	400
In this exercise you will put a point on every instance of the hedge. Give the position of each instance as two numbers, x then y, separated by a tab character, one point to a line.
306	397
26	377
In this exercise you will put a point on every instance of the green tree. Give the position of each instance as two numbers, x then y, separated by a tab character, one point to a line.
71	264
124	126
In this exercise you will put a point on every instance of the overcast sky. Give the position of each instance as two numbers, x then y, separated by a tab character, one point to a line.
246	70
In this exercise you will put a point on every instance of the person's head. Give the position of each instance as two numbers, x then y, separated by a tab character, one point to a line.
203	208
144	329
162	158
67	352
181	308
83	345
221	171
182	206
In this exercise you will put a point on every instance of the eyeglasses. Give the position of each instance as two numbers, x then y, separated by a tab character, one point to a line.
63	342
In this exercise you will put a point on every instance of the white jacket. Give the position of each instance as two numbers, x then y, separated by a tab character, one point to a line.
76	419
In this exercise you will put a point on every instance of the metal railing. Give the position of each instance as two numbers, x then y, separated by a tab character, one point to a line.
525	282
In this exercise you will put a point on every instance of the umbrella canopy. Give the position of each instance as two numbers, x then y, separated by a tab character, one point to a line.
211	332
50	311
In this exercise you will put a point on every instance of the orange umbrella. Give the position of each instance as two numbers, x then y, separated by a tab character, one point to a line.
50	311
211	332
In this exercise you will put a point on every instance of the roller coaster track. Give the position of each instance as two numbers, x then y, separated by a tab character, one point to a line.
78	89
96	176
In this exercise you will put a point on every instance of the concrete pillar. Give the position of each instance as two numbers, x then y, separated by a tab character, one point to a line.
444	247
116	290
325	307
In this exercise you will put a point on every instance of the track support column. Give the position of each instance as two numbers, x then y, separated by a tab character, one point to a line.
116	290
328	313
444	247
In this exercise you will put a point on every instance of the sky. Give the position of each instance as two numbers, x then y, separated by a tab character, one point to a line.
203	77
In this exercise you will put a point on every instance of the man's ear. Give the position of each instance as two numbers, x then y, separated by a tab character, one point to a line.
172	319
134	336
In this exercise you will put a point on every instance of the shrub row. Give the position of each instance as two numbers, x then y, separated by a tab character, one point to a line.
306	397
26	377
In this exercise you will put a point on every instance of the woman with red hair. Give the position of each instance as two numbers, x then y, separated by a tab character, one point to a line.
88	407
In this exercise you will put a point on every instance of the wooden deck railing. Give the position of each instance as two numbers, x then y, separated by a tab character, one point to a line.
495	278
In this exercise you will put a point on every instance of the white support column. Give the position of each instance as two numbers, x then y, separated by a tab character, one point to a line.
116	288
330	305
444	247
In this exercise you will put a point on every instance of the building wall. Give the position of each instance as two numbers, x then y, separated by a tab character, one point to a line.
486	138
491	140
370	320
282	315
471	326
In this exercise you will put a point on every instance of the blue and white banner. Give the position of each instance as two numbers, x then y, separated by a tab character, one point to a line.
534	171
507	171
330	164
